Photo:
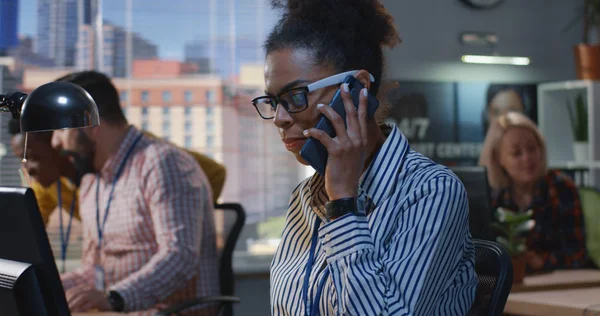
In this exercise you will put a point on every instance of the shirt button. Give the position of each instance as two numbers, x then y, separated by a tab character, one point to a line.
327	237
328	250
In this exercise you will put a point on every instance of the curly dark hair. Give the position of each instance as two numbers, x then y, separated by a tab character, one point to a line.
347	34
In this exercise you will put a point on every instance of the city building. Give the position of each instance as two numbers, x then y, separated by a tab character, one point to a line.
9	18
57	22
114	49
196	53
199	112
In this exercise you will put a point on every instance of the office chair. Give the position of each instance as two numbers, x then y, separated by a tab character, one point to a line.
590	206
233	220
478	192
495	277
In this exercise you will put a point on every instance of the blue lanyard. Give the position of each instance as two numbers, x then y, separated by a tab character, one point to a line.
64	238
112	191
308	269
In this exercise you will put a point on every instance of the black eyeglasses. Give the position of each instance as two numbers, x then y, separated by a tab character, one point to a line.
295	100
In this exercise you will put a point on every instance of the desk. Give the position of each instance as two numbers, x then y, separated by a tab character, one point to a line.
143	313
559	280
560	302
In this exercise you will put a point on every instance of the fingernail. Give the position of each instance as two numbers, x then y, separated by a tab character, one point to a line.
305	133
346	88
365	92
320	105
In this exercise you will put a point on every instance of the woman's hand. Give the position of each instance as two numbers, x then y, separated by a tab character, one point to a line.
347	152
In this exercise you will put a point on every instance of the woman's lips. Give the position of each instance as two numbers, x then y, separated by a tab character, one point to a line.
294	144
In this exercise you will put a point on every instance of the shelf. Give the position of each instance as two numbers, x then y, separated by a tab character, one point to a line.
576	165
566	85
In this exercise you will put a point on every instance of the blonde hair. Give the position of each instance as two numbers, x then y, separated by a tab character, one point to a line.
497	176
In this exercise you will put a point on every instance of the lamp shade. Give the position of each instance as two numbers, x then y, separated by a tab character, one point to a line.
58	105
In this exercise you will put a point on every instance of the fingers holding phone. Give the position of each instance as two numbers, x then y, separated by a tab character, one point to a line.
347	151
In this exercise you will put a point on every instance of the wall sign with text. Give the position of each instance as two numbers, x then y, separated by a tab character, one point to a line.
447	121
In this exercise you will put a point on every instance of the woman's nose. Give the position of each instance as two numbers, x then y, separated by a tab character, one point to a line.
282	118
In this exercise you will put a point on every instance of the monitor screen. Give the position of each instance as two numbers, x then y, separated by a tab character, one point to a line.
23	239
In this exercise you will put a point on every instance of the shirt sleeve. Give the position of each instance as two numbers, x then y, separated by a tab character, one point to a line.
572	252
177	193
46	201
427	253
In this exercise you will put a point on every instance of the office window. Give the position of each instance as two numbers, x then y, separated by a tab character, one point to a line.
188	127
188	141
144	126
166	96
123	96
144	111
188	96
209	111
166	110
187	110
166	127
210	141
210	96
210	127
145	96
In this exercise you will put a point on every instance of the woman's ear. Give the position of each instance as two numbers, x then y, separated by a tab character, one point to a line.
364	77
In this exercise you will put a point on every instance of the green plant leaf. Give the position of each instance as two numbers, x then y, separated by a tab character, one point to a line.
523	227
572	119
582	118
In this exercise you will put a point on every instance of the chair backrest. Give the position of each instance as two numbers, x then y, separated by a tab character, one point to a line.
590	206
478	191
229	219
494	275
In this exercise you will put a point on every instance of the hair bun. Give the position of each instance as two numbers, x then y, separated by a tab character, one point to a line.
366	19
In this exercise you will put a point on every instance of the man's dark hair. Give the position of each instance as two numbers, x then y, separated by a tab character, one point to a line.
104	93
14	127
347	34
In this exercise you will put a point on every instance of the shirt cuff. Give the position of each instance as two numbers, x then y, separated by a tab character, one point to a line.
129	296
346	235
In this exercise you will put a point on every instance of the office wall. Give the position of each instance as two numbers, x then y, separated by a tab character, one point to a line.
431	49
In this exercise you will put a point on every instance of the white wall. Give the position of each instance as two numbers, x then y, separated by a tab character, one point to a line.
431	49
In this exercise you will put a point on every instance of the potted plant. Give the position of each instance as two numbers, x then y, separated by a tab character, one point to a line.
587	53
512	228
579	123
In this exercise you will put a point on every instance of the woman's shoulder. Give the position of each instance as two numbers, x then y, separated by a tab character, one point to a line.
560	179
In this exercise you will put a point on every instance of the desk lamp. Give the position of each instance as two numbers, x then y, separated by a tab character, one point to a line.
52	106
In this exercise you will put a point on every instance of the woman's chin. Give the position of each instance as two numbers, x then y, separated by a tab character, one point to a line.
300	159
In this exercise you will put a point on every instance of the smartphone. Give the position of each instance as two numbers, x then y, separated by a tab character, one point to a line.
313	151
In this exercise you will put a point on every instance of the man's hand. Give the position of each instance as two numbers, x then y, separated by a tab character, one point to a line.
85	298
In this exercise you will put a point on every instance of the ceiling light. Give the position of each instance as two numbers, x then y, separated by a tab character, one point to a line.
496	60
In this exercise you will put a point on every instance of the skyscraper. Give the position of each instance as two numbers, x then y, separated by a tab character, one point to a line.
57	31
9	12
114	49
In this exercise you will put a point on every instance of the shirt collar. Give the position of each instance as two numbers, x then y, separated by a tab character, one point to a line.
377	182
110	167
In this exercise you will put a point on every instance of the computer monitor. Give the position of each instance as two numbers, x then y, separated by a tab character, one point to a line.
476	184
29	280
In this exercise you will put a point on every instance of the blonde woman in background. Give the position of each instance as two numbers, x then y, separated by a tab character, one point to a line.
514	153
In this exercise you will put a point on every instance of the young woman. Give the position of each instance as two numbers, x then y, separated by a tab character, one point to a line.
514	153
385	230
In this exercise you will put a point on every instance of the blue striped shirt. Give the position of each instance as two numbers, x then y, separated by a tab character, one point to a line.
409	252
